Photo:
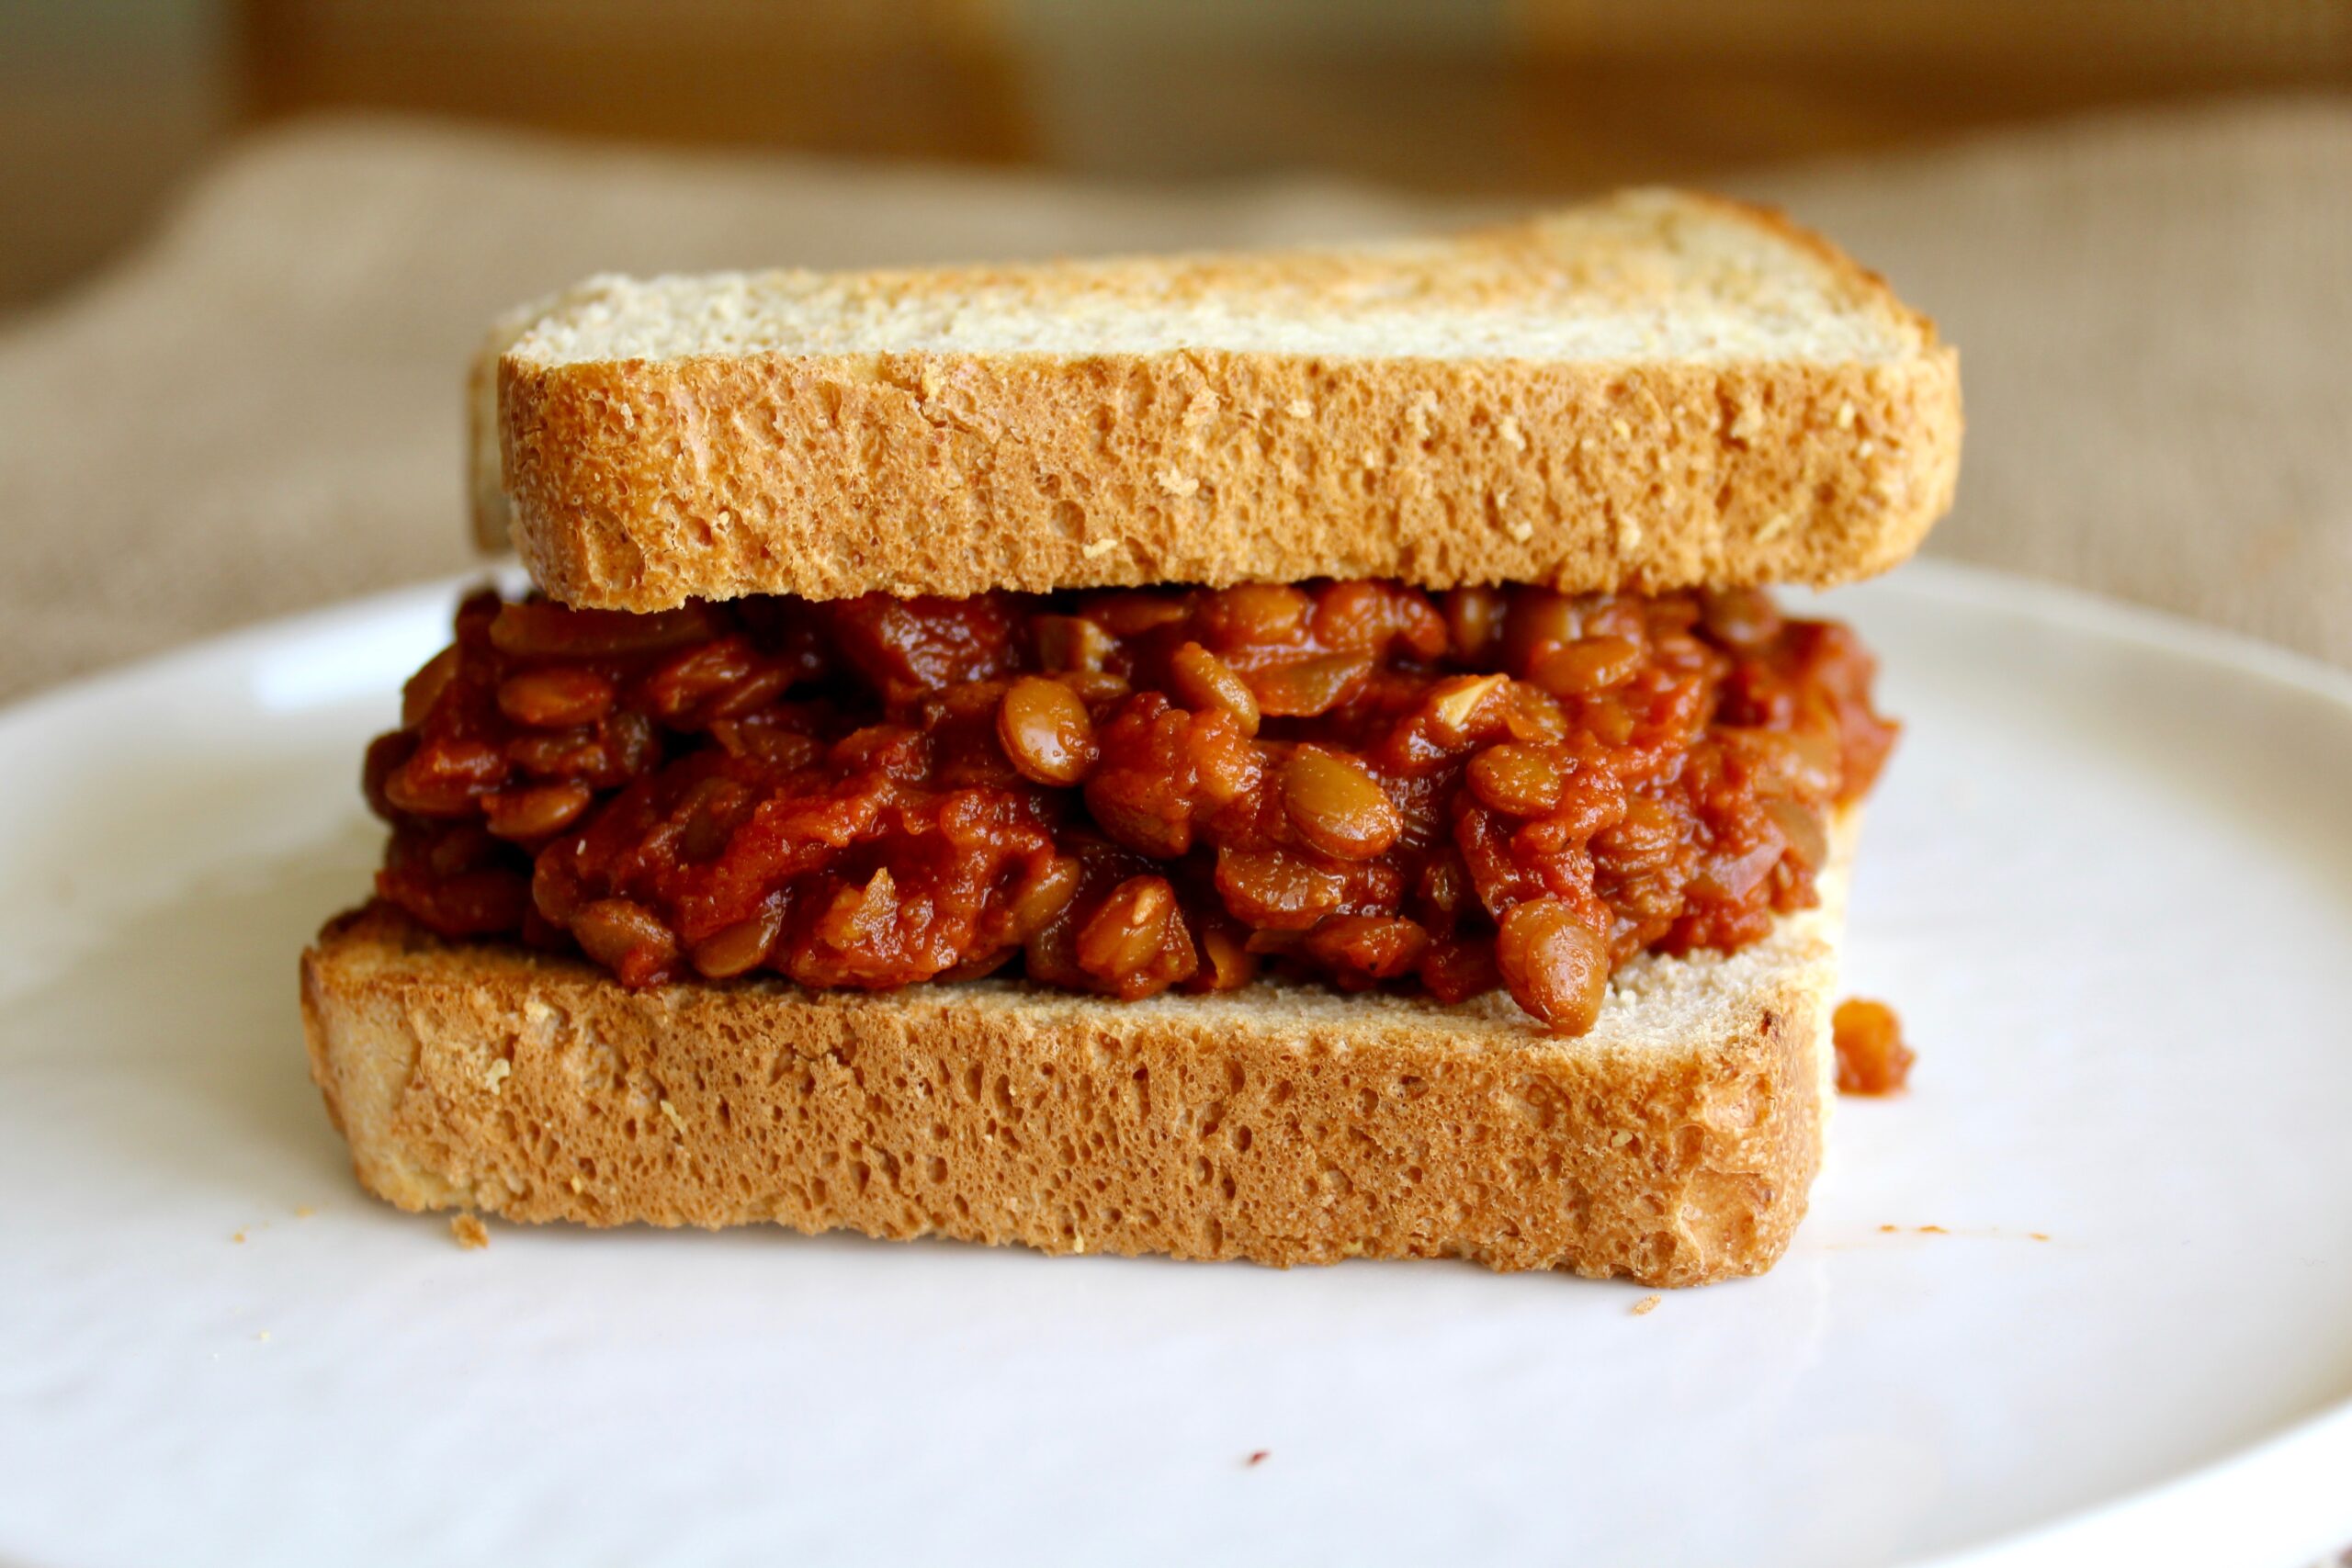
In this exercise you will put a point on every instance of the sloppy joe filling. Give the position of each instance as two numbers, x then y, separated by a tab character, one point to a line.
1130	791
1871	1056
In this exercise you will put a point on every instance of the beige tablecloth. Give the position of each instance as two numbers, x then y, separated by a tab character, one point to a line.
260	411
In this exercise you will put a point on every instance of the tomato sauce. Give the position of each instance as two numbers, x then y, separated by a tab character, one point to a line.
1123	793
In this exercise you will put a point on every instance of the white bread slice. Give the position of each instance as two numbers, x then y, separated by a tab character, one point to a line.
1674	1144
1657	391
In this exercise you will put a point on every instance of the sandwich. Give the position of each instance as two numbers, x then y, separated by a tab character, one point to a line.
1282	757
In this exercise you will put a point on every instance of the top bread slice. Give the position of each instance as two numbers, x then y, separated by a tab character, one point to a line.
1657	391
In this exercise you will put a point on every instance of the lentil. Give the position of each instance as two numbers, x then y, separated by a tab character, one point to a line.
1131	791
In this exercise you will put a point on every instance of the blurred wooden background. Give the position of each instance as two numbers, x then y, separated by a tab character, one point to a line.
105	107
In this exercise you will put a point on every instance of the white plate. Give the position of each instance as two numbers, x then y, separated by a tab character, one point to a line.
2109	883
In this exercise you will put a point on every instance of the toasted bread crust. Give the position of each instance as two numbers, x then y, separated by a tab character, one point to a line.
635	483
1279	1125
637	486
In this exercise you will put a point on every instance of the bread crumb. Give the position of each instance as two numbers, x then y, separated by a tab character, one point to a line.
303	1211
1646	1305
1423	411
1629	536
263	1336
1865	449
495	1079
1889	1230
1300	408
1933	1230
1176	484
1513	436
1099	549
239	1238
577	1185
1622	431
1257	1457
1522	530
670	1111
2039	1235
469	1231
1845	416
1774	527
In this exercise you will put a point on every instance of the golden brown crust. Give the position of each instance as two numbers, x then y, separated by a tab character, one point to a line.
635	483
1281	1124
636	486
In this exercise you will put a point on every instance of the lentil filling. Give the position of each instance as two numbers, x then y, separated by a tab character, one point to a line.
1123	793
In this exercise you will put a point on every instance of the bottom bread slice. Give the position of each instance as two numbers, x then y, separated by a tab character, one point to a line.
1674	1144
